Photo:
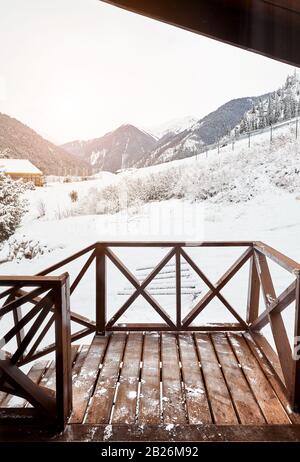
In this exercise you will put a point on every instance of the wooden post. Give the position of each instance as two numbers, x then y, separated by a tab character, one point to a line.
253	292
178	288
100	290
296	385
17	315
63	353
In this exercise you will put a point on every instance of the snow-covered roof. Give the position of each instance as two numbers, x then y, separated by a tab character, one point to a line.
18	166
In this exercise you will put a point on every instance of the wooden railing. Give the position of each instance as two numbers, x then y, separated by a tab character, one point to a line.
260	279
49	299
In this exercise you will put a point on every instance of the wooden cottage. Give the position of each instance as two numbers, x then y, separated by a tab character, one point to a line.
22	168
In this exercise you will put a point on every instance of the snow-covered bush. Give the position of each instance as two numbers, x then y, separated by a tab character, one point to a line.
18	247
152	187
12	205
101	201
236	177
129	192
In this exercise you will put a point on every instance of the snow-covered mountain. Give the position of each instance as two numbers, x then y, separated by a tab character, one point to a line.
282	104
172	127
129	146
17	141
121	148
205	131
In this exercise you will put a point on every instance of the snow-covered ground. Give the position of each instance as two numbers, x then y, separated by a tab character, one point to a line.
272	215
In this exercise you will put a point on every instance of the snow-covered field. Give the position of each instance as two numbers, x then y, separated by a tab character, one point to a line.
271	215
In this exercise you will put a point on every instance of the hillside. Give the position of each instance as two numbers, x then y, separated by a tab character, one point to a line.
206	131
121	148
18	141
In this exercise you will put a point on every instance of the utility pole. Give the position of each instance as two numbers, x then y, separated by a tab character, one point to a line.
249	139
271	133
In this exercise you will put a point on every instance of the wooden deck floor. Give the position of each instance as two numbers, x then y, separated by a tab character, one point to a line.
170	380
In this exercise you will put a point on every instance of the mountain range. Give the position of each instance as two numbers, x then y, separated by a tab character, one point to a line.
121	148
172	126
129	146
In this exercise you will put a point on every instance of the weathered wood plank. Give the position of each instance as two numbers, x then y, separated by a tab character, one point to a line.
268	401
193	433
149	403
84	382
173	398
126	401
49	378
195	395
100	408
272	377
245	404
218	394
35	374
78	361
268	351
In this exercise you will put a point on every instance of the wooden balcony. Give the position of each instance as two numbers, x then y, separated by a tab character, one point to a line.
178	379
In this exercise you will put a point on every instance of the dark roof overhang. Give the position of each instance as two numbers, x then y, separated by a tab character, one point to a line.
267	27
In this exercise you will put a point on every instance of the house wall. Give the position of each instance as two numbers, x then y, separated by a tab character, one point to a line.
37	180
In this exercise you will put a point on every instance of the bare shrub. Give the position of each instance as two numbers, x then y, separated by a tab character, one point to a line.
60	213
73	195
41	208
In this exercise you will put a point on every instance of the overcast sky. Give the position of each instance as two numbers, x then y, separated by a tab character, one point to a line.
75	69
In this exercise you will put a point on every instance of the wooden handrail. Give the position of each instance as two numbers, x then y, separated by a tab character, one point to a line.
287	263
176	243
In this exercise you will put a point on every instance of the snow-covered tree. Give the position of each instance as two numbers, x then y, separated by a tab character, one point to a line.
283	104
261	114
12	205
